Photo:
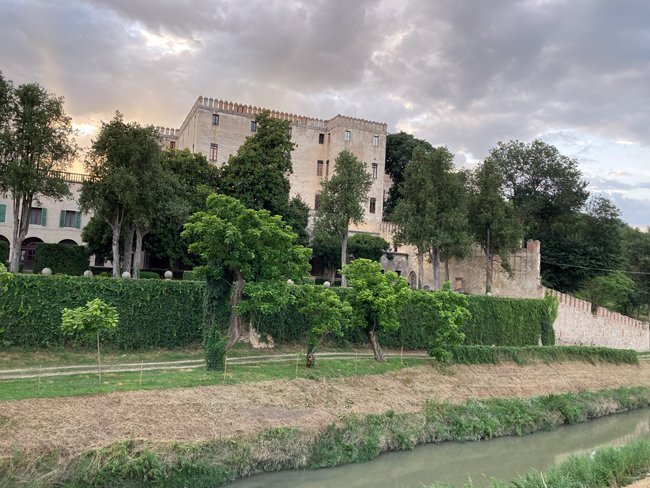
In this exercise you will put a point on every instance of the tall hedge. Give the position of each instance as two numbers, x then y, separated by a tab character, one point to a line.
4	252
61	259
153	313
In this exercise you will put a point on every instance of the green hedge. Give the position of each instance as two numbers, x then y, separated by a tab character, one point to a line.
153	313
494	321
61	259
549	354
4	252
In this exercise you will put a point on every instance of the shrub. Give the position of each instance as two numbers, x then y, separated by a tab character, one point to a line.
61	259
367	246
153	313
214	348
149	275
4	252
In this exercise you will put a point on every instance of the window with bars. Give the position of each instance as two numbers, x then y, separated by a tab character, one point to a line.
347	135
374	171
253	126
319	168
373	205
215	119
214	148
375	140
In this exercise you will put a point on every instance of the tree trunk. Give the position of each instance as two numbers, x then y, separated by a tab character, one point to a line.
344	256
435	262
420	256
371	334
21	226
234	329
447	278
489	271
137	259
128	250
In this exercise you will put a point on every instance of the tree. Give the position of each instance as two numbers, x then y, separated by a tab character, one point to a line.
326	249
97	235
399	151
367	246
250	245
611	291
493	220
95	317
428	215
341	201
374	297
637	252
450	311
327	313
258	175
541	183
35	145
297	217
119	157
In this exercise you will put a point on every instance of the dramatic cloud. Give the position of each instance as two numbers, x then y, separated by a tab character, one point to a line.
462	74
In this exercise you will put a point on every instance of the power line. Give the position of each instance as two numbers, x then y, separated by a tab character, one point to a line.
595	269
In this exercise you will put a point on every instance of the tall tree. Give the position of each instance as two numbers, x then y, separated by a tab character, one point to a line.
342	200
35	144
120	155
297	217
541	183
493	220
428	216
399	151
250	245
258	175
637	252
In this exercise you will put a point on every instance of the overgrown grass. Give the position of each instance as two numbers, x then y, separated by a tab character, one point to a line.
88	384
353	439
608	467
547	354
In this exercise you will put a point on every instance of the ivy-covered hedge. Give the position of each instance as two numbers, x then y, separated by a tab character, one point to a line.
61	259
4	252
494	321
152	313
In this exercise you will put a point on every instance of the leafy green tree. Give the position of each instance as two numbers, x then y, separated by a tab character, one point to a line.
95	317
541	183
374	297
637	253
249	245
399	151
119	157
611	291
342	199
35	145
326	311
367	246
428	216
258	175
492	220
451	313
97	235
297	217
326	249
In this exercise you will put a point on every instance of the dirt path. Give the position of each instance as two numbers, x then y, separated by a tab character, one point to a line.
75	424
640	484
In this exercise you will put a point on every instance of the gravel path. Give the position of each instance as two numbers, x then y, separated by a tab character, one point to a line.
75	424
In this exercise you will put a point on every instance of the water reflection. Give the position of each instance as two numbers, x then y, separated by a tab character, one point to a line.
454	462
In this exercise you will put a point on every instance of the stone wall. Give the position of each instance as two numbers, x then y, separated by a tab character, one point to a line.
577	325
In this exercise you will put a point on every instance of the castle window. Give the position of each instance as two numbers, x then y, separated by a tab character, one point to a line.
321	138
172	144
253	126
316	201
327	168
214	148
375	140
215	119
347	136
373	204
319	168
329	137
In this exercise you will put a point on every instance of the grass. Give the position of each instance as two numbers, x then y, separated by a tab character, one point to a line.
87	384
353	439
605	468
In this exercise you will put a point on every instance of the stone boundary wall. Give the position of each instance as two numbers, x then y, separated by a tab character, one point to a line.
576	325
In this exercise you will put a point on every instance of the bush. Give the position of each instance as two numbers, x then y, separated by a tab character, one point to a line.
149	275
61	259
367	246
4	252
153	313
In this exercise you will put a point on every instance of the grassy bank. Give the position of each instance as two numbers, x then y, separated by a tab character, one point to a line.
608	467
546	354
352	439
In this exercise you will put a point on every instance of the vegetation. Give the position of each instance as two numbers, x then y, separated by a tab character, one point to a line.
35	145
4	251
374	297
342	201
61	259
604	468
352	439
547	354
94	318
249	245
367	246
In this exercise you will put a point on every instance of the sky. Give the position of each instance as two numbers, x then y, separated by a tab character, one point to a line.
463	74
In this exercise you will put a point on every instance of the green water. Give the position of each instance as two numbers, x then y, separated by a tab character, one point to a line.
454	462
